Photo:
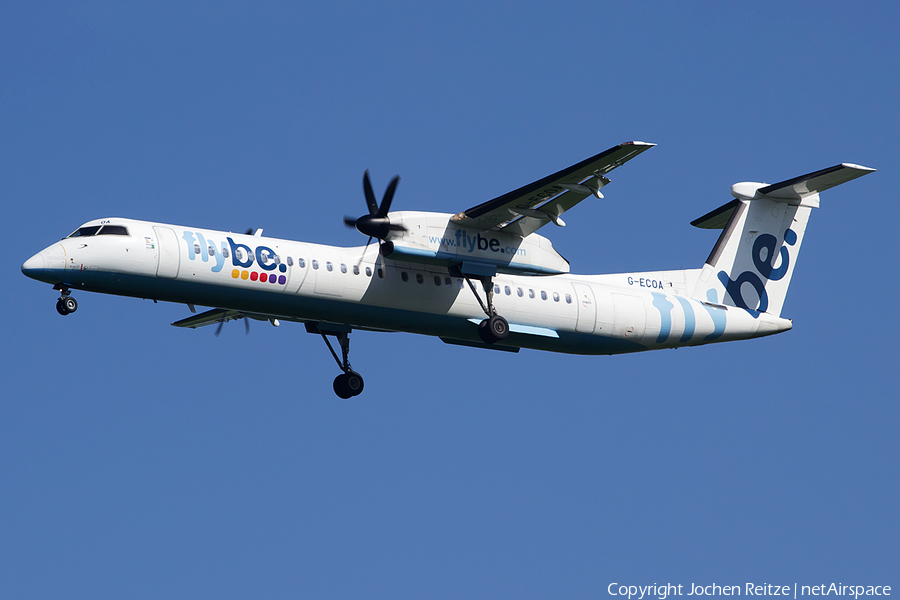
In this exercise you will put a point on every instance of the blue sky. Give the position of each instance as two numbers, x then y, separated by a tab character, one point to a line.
140	460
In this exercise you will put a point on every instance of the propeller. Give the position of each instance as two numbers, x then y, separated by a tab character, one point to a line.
222	323
376	224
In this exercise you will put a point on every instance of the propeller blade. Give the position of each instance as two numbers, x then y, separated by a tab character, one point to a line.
388	197
246	325
350	221
219	328
370	195
396	227
363	255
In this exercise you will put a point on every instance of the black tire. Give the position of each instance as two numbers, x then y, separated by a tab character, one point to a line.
341	388
354	383
498	327
61	308
69	304
484	333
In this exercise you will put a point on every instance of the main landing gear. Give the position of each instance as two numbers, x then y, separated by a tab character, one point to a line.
494	328
349	383
66	303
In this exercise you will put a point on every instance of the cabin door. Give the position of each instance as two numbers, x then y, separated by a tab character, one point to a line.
167	251
587	308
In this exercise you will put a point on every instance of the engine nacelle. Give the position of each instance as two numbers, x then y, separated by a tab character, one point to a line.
433	239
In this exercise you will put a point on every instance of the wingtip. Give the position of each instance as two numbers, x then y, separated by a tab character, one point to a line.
858	167
637	143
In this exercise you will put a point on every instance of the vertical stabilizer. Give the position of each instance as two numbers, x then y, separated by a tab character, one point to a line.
752	262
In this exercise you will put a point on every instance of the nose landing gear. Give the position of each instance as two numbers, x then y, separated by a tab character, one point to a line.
66	303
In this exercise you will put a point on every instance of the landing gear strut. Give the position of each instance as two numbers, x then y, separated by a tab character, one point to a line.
349	383
66	303
494	328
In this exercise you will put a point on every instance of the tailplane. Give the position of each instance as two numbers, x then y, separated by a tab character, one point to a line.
762	228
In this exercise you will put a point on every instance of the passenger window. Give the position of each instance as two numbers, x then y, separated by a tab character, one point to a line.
329	266
368	271
459	283
519	292
568	298
113	230
530	293
543	295
448	282
380	273
290	261
196	248
224	250
556	296
211	251
404	276
419	278
356	269
343	268
315	264
506	290
496	289
437	280
277	260
302	263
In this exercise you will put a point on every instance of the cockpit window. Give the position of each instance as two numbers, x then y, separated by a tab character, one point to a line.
85	231
113	230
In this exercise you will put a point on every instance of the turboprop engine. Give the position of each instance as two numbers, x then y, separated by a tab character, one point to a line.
433	238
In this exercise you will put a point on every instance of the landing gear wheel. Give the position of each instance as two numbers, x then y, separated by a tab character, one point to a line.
354	383
66	305
493	330
347	385
499	327
70	304
340	387
483	332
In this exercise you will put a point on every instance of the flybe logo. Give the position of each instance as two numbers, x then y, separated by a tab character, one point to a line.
470	243
763	255
255	264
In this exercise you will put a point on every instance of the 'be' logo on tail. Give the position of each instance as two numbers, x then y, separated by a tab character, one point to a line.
764	269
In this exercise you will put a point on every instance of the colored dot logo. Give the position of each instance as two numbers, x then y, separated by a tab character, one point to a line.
260	277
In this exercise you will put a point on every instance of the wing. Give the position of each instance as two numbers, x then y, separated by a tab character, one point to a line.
216	315
527	209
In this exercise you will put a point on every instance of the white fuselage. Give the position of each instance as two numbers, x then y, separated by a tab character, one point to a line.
296	281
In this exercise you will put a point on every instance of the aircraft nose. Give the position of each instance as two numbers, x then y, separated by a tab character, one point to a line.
34	266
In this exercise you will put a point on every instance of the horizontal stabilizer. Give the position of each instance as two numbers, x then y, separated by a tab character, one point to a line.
716	219
791	190
813	183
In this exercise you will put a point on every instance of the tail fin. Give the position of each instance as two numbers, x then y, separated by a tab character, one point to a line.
762	229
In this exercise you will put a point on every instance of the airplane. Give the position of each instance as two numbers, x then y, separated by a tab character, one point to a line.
420	276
